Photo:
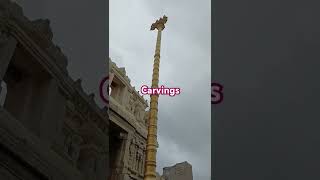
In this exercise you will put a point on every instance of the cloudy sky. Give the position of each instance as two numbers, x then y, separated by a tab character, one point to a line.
184	120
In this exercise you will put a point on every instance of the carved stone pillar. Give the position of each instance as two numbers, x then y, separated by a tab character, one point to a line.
36	101
7	48
134	157
124	94
54	108
139	159
120	170
129	102
18	96
72	146
143	160
136	165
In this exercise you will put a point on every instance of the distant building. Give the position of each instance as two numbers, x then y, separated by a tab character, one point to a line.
158	176
180	171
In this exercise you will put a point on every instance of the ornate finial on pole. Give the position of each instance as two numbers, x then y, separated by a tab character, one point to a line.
159	24
152	143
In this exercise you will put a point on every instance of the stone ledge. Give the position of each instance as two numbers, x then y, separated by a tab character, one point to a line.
128	117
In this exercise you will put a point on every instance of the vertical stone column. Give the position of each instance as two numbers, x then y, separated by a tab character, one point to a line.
7	48
140	161
126	156
38	104
124	96
18	99
54	107
143	162
134	162
117	93
151	163
119	170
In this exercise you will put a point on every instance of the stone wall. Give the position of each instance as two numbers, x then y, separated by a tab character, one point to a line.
128	111
49	127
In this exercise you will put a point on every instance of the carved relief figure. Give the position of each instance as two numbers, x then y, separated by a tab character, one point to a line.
131	154
141	116
131	103
140	161
146	117
72	145
137	111
136	167
67	142
143	160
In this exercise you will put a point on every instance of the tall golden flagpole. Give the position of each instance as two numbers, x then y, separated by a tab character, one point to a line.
151	163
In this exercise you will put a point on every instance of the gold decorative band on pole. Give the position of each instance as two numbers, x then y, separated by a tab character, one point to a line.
152	144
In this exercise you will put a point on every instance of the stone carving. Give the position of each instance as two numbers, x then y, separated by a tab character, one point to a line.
136	156
34	38
143	159
146	117
139	113
72	146
159	24
141	117
131	154
130	106
133	103
87	109
43	25
136	110
140	160
129	102
135	165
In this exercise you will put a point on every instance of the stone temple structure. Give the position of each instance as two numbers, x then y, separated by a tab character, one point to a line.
128	127
180	171
50	129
